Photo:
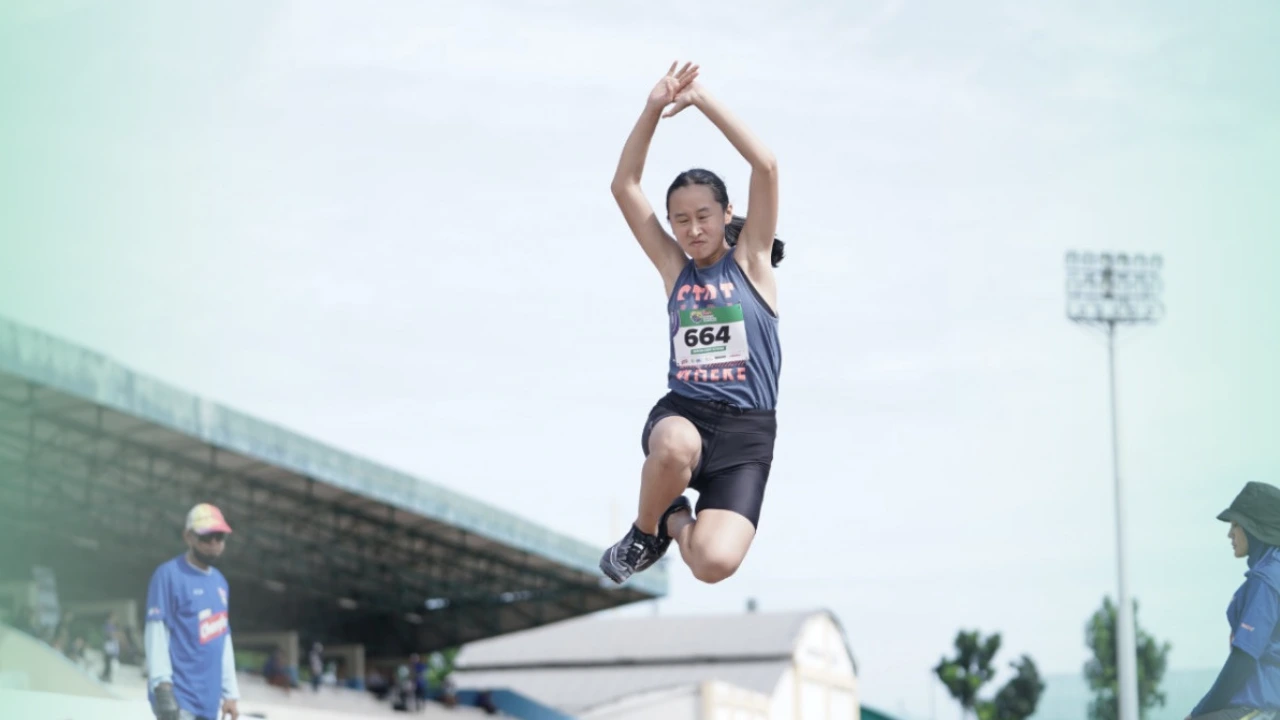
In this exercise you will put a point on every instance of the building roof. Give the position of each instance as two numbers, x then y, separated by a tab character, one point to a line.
583	662
583	688
596	640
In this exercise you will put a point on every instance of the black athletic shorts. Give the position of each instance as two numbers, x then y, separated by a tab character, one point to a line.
737	452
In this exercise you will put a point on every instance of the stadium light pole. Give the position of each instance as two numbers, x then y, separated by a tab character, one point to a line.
1104	291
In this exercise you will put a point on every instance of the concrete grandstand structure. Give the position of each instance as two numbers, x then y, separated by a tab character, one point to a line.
99	464
750	666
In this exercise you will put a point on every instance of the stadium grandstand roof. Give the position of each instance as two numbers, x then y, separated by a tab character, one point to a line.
98	465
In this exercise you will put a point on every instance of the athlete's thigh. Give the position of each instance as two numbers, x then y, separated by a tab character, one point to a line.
738	490
728	511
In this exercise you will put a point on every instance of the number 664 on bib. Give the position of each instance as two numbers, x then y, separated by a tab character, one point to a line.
710	335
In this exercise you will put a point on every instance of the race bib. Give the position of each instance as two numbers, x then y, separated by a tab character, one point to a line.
710	336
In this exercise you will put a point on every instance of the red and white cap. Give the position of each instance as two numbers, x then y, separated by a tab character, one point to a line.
205	518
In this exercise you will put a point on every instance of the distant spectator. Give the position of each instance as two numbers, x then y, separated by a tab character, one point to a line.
315	663
448	692
29	623
275	672
402	695
130	645
131	652
110	647
75	651
419	681
484	701
376	683
62	633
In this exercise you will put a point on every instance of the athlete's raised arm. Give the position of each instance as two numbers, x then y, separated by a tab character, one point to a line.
758	232
663	251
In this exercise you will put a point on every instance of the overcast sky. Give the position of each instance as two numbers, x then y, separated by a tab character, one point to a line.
388	226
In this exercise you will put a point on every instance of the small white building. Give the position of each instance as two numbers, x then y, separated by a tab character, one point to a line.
753	666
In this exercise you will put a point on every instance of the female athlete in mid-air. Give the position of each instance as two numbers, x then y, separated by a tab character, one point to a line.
714	430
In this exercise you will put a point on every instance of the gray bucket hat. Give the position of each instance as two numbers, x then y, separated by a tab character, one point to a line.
1257	510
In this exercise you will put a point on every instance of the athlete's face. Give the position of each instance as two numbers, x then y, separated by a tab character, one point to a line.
1239	541
698	221
207	548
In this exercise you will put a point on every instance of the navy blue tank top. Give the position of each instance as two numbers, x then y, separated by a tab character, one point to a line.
724	338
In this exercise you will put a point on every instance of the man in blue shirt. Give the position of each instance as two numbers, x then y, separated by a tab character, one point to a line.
191	672
1249	684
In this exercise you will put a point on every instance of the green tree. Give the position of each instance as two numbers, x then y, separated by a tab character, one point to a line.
971	669
440	665
1018	698
1103	673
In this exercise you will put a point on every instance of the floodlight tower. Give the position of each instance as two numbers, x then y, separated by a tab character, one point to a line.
1105	291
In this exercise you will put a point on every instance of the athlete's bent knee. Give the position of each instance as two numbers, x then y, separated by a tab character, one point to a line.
715	565
675	442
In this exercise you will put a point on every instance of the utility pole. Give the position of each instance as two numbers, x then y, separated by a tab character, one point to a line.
1104	291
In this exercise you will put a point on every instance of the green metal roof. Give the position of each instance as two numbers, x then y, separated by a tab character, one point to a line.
870	713
45	360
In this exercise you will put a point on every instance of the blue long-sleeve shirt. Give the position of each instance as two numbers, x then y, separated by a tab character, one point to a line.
188	636
1251	675
161	670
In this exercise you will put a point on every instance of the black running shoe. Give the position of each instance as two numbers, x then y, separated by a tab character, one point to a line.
639	550
636	552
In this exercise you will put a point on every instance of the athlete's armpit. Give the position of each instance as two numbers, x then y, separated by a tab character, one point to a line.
759	270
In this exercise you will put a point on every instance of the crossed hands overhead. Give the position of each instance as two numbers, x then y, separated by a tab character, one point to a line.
676	89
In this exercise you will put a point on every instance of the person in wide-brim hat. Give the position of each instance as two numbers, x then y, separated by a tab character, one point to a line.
1248	688
1257	510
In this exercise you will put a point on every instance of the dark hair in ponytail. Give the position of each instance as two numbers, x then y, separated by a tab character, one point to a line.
698	176
776	253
